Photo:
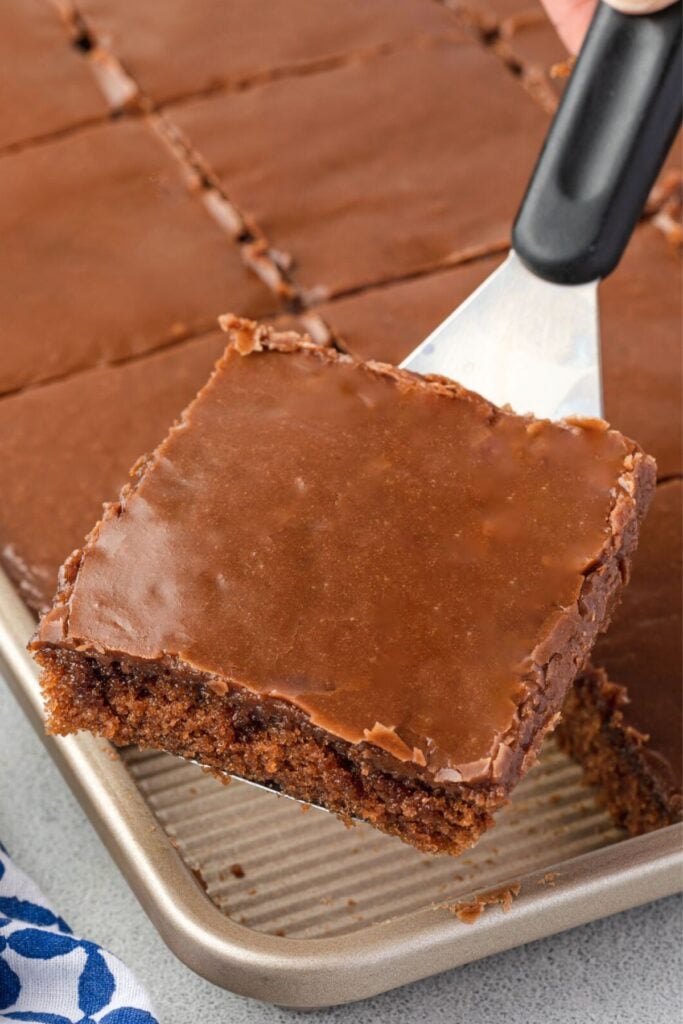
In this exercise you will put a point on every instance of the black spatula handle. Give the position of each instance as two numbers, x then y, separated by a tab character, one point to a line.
609	138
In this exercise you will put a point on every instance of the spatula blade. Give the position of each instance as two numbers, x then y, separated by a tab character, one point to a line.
522	341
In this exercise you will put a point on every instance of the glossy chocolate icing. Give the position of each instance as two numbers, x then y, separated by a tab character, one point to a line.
347	174
394	556
55	480
641	306
108	255
47	85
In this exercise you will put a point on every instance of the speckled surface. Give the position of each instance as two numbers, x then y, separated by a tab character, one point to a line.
627	968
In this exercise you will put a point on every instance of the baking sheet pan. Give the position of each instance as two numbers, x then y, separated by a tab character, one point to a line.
296	909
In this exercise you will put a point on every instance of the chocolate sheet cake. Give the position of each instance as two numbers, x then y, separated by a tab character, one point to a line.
385	167
344	168
623	718
642	347
127	258
369	589
47	86
217	44
114	414
486	16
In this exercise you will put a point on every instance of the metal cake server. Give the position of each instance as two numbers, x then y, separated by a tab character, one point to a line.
529	336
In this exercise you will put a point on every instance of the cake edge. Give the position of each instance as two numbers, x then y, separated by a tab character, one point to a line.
633	782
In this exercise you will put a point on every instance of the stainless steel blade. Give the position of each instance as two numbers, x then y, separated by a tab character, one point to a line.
522	341
265	786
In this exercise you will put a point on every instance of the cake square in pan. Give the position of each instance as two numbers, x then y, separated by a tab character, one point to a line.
184	47
107	254
377	169
641	308
369	589
47	86
487	15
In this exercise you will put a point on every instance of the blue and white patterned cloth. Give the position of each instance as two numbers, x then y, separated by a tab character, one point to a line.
47	975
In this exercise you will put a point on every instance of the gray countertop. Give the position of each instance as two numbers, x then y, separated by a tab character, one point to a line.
626	968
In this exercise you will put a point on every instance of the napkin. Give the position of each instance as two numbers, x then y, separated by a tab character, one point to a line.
48	975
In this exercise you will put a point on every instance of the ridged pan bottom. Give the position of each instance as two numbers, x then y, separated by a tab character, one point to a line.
278	868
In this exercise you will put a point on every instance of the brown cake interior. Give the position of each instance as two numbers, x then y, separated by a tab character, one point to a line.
267	741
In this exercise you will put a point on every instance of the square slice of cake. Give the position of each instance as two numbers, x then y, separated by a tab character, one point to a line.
219	45
368	589
362	188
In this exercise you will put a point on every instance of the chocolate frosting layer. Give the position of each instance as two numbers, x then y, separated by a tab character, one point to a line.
215	43
393	555
349	176
641	306
47	85
643	649
640	326
126	259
